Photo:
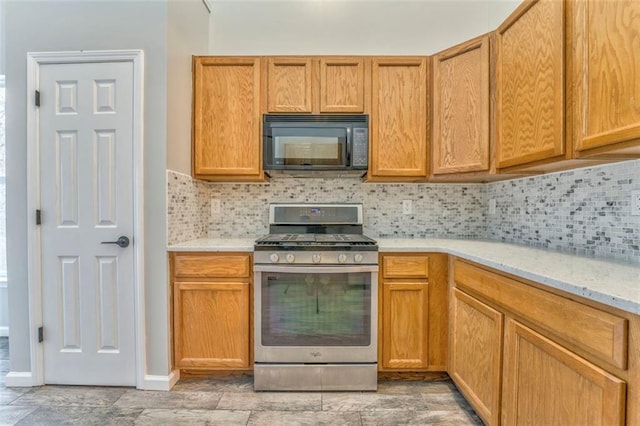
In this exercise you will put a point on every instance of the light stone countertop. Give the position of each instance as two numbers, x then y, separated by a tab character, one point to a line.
614	284
215	245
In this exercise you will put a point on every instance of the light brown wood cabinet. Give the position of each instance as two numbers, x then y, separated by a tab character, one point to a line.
305	84
461	100
560	360
413	312
289	84
530	86
212	311
399	121
475	361
604	70
227	142
547	384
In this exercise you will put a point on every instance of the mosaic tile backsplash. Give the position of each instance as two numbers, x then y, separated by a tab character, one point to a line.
187	208
582	211
455	211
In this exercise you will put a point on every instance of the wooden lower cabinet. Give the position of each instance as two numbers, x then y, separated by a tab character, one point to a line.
211	311
560	360
546	384
475	361
413	312
405	318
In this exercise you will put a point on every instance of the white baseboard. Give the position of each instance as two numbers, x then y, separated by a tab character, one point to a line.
18	379
4	331
160	383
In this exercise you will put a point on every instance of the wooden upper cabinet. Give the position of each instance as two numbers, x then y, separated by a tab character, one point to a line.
530	85
316	85
289	84
226	118
461	108
604	70
342	84
546	384
399	119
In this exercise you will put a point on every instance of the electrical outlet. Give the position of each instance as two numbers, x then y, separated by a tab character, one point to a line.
407	207
635	203
492	206
216	206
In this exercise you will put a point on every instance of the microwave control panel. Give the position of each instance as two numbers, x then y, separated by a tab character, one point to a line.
359	154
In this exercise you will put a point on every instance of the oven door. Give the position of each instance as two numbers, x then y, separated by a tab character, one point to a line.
316	314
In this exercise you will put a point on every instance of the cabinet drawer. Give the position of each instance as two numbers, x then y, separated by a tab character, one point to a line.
599	333
405	266
211	265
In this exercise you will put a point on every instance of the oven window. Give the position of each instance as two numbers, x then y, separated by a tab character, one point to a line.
309	146
316	309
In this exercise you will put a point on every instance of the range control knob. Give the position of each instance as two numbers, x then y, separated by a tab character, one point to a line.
274	257
316	258
290	258
342	258
357	258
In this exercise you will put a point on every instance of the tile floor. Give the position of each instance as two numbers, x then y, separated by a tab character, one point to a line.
231	401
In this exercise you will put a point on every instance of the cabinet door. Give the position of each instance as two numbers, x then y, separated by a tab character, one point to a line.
289	84
399	118
211	325
341	84
226	118
476	354
405	308
461	108
530	84
605	74
546	384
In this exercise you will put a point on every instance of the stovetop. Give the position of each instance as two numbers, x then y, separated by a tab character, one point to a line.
312	238
316	242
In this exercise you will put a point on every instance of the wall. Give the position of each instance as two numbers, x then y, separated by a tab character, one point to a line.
499	10
582	211
74	25
2	38
344	27
444	211
187	35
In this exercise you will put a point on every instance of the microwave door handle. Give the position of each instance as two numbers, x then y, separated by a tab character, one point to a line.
348	145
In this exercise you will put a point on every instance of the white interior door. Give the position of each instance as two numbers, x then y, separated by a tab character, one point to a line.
86	187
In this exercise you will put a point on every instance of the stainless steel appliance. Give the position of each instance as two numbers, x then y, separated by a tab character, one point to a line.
316	293
324	142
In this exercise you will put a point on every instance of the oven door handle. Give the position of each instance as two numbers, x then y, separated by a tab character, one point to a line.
316	269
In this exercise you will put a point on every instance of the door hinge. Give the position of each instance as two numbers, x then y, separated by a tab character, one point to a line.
40	334
38	217
37	98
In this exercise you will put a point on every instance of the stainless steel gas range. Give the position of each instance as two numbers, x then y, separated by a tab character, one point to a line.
316	292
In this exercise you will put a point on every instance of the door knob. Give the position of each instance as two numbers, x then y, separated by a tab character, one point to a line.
122	242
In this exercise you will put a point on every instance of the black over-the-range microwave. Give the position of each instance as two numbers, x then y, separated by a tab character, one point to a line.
315	142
